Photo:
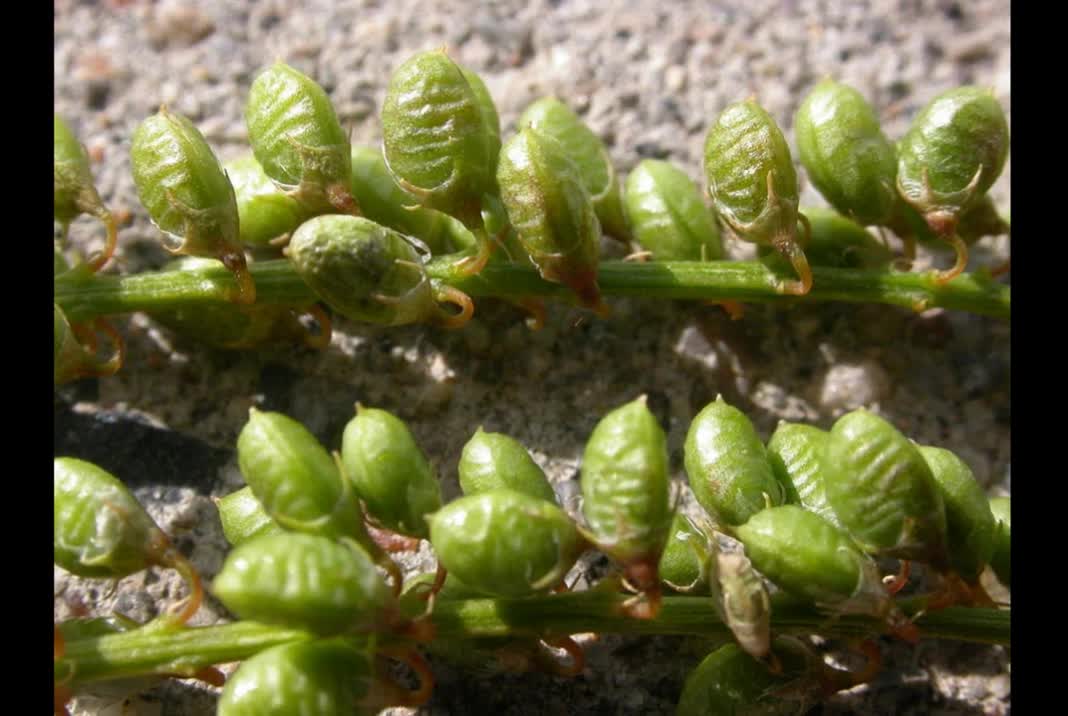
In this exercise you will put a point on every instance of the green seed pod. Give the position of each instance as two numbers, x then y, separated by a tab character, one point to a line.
303	581
494	460
389	471
625	490
550	208
809	557
728	466
491	121
74	191
100	529
836	241
552	117
796	455
742	602
668	215
753	184
684	563
951	155
1001	560
244	518
296	480
231	326
325	678
264	211
367	272
970	525
298	140
882	490
505	543
384	202
73	360
846	154
437	142
730	682
187	194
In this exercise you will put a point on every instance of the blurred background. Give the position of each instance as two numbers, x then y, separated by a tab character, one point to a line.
649	78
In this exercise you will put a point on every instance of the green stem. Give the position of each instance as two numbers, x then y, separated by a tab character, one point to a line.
154	650
83	298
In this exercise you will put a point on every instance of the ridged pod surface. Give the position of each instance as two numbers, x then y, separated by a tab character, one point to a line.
796	455
99	528
436	140
243	517
1001	560
625	485
362	270
847	156
494	460
809	557
389	471
183	186
505	543
265	212
684	562
384	202
318	678
303	581
668	216
552	117
951	155
728	466
295	479
550	208
970	524
491	120
743	148
730	682
298	140
882	489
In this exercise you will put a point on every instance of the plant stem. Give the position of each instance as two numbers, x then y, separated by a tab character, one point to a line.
154	650
84	298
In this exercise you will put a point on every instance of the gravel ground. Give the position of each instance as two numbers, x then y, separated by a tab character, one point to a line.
648	78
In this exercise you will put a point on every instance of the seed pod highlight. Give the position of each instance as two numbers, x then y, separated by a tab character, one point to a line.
668	216
951	155
436	141
295	479
882	490
264	211
369	273
753	185
303	581
550	208
505	543
727	465
625	493
808	556
847	156
1001	559
243	517
389	471
552	117
970	524
328	678
495	460
298	140
796	455
74	191
187	194
742	602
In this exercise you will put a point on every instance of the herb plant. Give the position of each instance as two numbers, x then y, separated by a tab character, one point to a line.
785	541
